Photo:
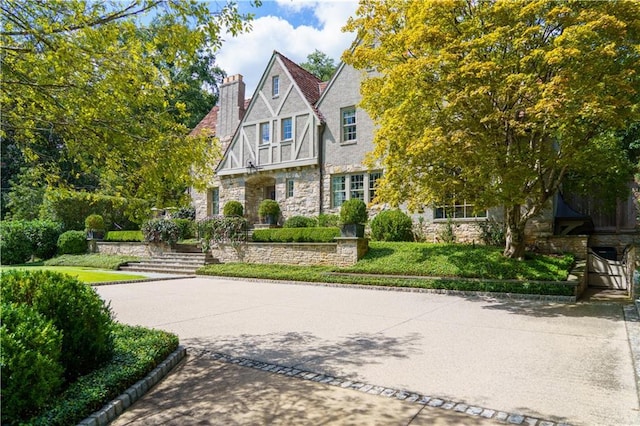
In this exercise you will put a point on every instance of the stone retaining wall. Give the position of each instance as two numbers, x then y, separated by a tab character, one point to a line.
127	249
344	252
557	244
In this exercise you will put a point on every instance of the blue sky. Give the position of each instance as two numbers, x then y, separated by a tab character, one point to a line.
294	28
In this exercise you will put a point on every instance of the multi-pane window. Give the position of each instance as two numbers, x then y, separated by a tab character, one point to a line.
356	187
275	85
457	209
348	121
214	202
359	185
373	184
264	133
287	129
289	188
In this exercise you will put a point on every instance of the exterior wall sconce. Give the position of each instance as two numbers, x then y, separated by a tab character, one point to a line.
251	168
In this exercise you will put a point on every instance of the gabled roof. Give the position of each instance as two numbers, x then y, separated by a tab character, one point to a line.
208	123
308	83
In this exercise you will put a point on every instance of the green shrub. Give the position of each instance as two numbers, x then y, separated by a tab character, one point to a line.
492	232
124	236
392	225
29	361
328	220
233	208
15	247
232	229
353	211
94	222
186	228
74	308
185	213
446	234
298	235
269	211
72	242
161	231
300	222
43	235
93	260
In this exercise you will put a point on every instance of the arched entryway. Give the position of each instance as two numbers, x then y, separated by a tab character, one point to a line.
258	188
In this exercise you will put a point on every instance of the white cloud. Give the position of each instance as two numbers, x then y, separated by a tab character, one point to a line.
249	53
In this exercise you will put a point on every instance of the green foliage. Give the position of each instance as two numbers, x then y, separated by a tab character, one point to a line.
74	308
185	213
161	231
43	235
29	361
186	228
137	351
297	235
492	232
269	208
446	233
320	65
232	229
72	207
353	211
300	222
392	225
233	208
94	222
94	260
328	220
498	103
20	240
124	236
72	242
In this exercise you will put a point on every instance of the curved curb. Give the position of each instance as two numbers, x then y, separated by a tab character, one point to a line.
113	409
144	280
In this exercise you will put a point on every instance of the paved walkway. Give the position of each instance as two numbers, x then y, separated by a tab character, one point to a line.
554	362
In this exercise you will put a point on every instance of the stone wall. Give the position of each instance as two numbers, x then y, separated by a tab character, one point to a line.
127	249
557	244
344	252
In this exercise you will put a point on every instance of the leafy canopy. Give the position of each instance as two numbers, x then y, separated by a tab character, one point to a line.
497	101
99	78
320	65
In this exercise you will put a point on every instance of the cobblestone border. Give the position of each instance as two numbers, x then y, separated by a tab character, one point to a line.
145	280
477	294
403	395
113	409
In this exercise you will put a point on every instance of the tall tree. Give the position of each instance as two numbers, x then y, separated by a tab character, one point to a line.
497	101
320	65
82	71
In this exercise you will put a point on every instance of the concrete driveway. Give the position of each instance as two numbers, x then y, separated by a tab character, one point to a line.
559	362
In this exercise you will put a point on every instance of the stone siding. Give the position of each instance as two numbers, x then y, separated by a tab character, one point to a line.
344	252
557	244
128	249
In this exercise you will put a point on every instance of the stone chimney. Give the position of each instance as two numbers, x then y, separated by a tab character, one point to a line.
231	107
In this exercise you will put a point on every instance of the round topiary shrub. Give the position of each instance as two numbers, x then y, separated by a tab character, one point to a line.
233	208
392	225
269	211
15	246
353	211
94	222
300	222
30	361
72	242
73	307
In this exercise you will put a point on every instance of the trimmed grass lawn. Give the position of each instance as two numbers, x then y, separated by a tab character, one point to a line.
86	275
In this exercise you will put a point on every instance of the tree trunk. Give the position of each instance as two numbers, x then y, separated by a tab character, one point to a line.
514	235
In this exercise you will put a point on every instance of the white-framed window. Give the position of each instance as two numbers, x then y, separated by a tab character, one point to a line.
373	184
289	188
214	202
348	122
357	185
287	129
275	85
264	133
457	209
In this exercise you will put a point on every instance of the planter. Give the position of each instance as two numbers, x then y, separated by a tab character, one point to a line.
352	230
270	220
95	235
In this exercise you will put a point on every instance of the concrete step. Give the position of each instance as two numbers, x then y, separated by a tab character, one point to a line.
160	269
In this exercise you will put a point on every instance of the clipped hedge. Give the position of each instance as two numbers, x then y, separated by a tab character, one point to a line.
233	208
30	361
392	225
297	235
124	236
326	220
73	242
300	222
73	307
21	239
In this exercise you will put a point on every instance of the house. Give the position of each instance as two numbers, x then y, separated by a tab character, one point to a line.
302	142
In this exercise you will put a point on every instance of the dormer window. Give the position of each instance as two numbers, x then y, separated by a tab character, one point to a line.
275	86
